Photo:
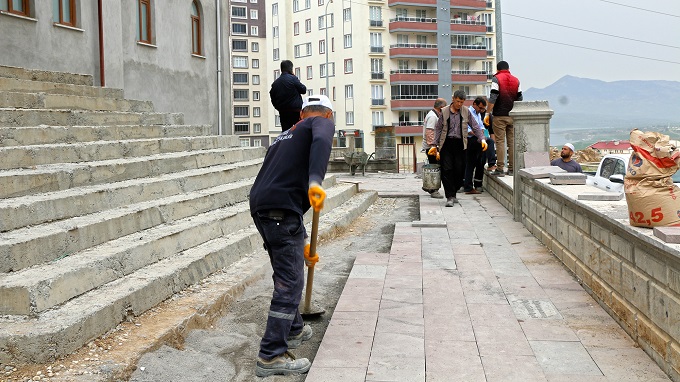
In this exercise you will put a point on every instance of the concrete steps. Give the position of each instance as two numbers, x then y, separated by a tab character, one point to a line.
30	135
20	100
23	157
108	208
64	117
45	76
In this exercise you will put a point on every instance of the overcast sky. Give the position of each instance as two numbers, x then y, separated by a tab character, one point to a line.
540	63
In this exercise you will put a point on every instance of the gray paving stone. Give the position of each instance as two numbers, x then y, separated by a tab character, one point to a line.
360	271
561	357
540	172
668	234
567	178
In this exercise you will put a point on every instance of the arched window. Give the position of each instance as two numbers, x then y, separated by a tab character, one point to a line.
64	12
196	45
144	27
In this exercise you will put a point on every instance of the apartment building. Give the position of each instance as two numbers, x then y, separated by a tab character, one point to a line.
249	71
383	62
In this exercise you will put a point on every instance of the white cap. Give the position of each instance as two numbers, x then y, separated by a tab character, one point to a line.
317	100
570	146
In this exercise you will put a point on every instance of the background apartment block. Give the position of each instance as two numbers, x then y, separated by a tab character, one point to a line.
383	62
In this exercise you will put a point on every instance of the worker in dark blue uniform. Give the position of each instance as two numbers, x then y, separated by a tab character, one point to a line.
288	184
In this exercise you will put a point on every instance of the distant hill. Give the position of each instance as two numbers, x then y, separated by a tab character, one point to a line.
581	103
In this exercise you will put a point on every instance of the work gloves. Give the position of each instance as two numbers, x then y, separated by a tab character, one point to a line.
433	151
484	146
486	119
310	260
317	195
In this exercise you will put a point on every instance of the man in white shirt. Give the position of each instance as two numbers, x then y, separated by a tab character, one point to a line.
428	137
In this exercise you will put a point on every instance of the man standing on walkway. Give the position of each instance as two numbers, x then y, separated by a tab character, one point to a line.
285	95
288	183
505	90
451	137
565	162
428	137
474	167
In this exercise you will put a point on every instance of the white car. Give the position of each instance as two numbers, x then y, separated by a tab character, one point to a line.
610	173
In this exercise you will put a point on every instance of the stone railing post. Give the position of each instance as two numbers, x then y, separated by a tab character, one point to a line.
532	133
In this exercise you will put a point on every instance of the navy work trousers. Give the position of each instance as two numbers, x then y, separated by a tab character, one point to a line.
283	233
452	161
474	166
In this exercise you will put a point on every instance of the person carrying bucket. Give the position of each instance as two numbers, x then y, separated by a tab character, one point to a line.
428	141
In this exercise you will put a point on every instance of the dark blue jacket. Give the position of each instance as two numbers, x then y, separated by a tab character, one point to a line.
285	92
298	156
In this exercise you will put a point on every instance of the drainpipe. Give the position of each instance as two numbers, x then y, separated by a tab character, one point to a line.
102	78
499	31
220	127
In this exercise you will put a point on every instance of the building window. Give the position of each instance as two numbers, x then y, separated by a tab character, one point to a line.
240	95
349	91
257	142
308	4
255	63
277	73
276	54
144	25
297	72
239	12
309	72
256	79
349	117
244	142
17	7
378	118
330	72
320	2
296	51
241	111
275	9
348	41
257	128
277	120
240	62
323	91
296	5
308	25
256	95
196	43
237	28
255	47
241	127
347	14
253	30
322	46
275	31
241	78
326	21
349	66
256	112
239	45
253	14
296	28
64	11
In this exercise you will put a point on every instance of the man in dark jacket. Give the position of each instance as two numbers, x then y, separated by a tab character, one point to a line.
505	90
288	184
285	95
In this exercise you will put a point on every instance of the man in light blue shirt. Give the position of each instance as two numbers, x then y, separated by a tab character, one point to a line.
474	167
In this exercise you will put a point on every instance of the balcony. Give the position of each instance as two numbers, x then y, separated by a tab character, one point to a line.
413	50
472	25
469	76
413	24
408	123
412	103
377	49
377	75
375	23
469	4
469	51
377	102
414	75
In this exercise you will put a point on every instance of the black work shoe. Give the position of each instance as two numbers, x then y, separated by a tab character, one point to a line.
497	173
285	364
296	340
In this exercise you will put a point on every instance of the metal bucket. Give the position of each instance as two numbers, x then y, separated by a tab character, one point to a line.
432	179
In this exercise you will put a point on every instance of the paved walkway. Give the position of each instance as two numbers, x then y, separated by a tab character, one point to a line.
467	294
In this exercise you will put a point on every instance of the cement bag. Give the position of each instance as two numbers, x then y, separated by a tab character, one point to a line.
651	196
